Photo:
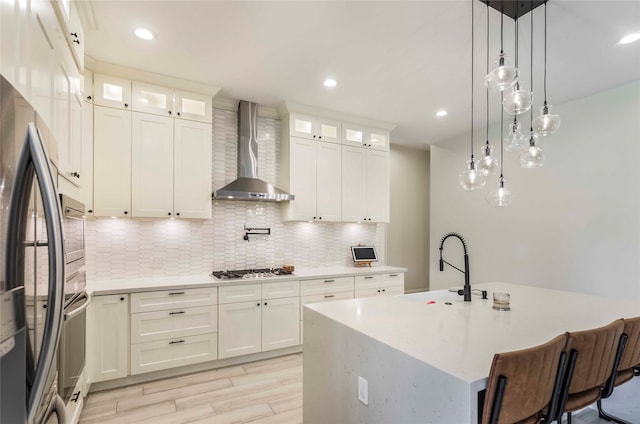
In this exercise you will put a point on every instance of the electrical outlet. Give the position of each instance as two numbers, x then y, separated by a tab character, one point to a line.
363	390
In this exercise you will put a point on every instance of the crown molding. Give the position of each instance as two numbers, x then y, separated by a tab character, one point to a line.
290	107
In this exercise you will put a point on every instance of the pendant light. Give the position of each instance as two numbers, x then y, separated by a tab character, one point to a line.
518	101
471	178
501	196
488	165
515	141
532	157
546	123
503	77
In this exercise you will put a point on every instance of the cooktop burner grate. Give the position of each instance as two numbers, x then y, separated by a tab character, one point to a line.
250	273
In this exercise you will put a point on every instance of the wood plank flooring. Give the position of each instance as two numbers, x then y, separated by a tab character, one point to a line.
263	392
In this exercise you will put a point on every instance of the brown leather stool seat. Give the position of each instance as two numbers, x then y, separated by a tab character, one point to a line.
523	383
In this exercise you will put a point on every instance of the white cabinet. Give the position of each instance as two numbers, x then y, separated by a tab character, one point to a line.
314	128
112	162
379	285
365	185
152	99
87	156
361	136
108	337
258	317
315	179
111	91
151	165
193	106
192	169
173	328
239	329
42	60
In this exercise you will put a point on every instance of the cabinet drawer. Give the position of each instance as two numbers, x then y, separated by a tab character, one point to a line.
326	286
392	280
240	293
170	299
367	282
161	325
163	354
280	290
319	298
367	292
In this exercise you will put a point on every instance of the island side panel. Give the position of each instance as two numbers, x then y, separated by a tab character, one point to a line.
401	388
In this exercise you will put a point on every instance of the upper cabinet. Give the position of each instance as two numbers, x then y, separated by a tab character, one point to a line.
314	128
361	136
193	106
111	91
152	99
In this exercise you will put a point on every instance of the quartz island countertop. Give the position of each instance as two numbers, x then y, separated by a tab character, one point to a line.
403	344
130	285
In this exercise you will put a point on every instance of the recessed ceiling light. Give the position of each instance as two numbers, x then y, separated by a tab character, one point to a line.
144	34
330	82
441	113
630	38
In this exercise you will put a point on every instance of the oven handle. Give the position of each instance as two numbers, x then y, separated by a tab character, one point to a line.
80	309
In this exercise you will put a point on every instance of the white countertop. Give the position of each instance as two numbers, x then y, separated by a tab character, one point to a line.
462	338
129	285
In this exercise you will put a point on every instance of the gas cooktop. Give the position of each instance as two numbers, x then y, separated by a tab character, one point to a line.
250	273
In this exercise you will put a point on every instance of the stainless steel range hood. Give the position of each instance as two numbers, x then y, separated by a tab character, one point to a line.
248	186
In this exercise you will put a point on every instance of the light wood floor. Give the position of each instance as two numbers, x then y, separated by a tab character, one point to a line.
263	392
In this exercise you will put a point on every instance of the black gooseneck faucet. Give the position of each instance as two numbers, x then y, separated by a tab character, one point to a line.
466	292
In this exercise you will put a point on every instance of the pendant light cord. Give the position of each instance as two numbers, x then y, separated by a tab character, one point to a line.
487	73
516	40
545	53
502	137
531	75
501	31
472	18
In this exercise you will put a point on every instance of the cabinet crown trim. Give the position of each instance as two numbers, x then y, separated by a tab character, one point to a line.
288	107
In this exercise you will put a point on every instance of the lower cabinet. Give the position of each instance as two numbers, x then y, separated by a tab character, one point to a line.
175	352
108	337
261	324
379	285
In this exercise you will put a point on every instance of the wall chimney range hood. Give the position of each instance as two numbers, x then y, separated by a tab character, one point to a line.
248	186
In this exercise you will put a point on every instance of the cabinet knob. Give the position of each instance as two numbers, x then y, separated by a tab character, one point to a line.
77	42
265	303
177	213
320	218
74	34
178	113
89	97
319	137
125	212
122	299
90	211
126	105
384	290
314	136
369	219
257	304
169	213
314	217
378	291
170	112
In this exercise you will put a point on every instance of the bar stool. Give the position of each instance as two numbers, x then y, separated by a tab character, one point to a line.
628	366
523	383
591	358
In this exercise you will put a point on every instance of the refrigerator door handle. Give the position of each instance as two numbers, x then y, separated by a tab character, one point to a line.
33	159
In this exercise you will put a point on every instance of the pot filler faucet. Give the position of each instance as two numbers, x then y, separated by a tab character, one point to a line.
466	292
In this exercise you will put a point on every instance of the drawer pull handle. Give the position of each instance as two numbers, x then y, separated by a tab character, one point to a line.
368	278
177	313
329	296
329	281
175	293
176	342
393	275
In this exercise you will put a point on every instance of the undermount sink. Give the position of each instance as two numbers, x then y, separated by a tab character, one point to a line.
436	296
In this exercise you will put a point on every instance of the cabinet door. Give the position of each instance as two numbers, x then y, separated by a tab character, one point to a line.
111	91
108	337
303	168
87	156
354	184
328	130
329	181
353	135
192	169
301	126
377	139
192	106
280	323
239	329
87	87
75	154
112	162
62	112
151	99
151	165
377	186
41	61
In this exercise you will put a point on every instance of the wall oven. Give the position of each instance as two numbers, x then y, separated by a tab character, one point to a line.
71	354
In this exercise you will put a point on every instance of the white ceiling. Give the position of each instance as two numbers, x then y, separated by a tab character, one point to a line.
394	61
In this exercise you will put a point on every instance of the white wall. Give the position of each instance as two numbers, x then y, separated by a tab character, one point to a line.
408	231
574	224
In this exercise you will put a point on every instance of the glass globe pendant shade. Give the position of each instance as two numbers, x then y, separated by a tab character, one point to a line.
532	157
515	141
501	196
488	165
546	123
471	178
503	77
518	101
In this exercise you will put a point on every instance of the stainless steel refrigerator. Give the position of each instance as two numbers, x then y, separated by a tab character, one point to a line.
31	267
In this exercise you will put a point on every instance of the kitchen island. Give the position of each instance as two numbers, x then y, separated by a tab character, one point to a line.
427	362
